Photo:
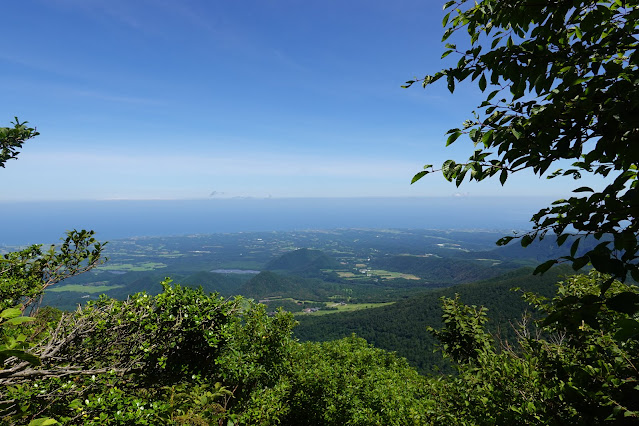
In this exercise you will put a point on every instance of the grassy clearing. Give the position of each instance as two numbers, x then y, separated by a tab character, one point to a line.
375	273
129	267
388	275
79	288
349	307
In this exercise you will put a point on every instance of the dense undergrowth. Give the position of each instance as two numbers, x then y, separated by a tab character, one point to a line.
184	357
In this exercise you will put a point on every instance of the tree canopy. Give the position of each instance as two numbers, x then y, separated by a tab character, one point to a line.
562	83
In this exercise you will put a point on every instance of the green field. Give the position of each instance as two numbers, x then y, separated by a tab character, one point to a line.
129	267
375	273
349	307
79	288
388	275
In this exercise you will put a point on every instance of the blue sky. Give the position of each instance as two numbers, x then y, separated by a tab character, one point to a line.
188	99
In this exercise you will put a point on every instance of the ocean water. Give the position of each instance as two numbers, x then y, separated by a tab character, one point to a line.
45	222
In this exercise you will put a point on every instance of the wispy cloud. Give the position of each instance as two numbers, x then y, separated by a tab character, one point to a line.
117	98
234	164
62	91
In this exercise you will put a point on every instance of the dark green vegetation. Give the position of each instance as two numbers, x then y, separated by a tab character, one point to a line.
563	84
402	326
183	357
303	262
269	284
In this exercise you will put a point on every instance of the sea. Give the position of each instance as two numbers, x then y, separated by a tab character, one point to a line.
46	221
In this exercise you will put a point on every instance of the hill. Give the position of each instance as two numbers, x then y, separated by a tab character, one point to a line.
401	327
270	284
303	262
212	282
444	271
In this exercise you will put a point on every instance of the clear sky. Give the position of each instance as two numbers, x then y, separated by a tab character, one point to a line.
183	99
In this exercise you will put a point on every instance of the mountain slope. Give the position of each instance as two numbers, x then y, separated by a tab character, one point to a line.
211	282
271	284
401	327
440	270
304	262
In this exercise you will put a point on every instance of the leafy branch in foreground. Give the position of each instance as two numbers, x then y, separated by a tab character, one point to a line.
566	87
12	138
25	274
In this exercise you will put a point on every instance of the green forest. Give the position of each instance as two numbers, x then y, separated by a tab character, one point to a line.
460	336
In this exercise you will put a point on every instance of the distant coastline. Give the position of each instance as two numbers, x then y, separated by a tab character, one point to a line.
46	221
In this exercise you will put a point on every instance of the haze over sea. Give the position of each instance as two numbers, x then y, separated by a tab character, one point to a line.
45	222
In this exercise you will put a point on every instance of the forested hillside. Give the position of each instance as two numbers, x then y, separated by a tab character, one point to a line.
402	327
303	262
269	284
447	270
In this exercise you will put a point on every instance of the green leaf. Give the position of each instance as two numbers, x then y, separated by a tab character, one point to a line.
516	133
504	240
448	168
451	82
544	267
583	189
453	137
19	320
482	83
628	328
526	240
447	34
44	421
474	135
492	95
418	176
503	176
626	302
10	313
445	20
574	247
562	239
460	178
580	262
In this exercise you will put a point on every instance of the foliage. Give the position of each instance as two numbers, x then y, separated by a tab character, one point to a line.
25	274
14	346
12	138
342	382
463	337
558	374
446	270
349	382
150	359
402	326
184	357
566	87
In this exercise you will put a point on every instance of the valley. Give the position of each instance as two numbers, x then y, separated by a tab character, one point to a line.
382	285
349	265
